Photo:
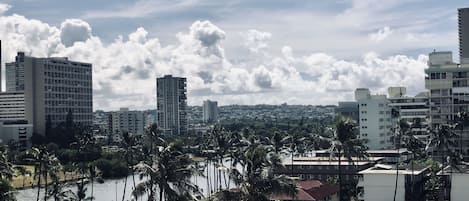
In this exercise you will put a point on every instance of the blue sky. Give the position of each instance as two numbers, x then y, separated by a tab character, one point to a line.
283	51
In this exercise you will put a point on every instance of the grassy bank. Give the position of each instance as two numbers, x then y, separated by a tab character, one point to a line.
28	181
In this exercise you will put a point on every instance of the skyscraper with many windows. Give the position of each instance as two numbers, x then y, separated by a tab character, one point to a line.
210	111
463	31
53	87
171	98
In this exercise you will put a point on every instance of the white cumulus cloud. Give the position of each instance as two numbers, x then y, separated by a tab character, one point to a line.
4	8
256	40
125	69
381	34
74	30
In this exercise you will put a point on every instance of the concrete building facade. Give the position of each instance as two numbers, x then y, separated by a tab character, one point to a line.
52	87
16	133
12	107
171	99
375	119
447	83
126	121
463	32
210	111
377	184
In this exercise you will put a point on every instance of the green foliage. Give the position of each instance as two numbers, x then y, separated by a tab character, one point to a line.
6	191
112	168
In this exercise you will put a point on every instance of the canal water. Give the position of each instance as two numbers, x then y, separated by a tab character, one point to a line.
112	190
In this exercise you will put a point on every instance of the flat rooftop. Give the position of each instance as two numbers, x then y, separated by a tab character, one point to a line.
387	169
311	161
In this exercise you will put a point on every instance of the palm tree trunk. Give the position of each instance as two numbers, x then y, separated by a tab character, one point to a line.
231	167
125	186
412	177
340	175
397	173
92	187
161	193
208	178
219	173
39	184
45	186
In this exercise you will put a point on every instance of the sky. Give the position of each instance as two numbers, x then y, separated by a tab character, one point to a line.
236	51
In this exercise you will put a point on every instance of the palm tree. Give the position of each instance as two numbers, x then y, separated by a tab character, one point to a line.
169	172
45	164
57	191
278	142
442	140
257	180
80	194
6	175
6	168
345	143
403	129
462	120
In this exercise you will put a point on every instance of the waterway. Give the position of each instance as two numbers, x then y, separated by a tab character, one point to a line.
112	190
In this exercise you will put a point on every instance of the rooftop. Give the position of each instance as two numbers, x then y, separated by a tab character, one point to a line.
388	169
330	161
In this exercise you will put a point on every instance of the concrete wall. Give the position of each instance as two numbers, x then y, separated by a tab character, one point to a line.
380	187
20	133
459	187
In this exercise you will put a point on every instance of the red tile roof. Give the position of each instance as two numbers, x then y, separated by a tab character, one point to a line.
310	191
300	195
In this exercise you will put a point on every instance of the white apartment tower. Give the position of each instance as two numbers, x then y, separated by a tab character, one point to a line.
210	111
375	119
411	109
448	84
126	121
52	87
171	99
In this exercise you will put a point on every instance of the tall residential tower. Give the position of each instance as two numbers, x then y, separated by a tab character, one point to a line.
171	99
52	87
463	22
210	111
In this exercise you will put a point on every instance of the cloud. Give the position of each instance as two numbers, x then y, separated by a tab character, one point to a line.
4	8
256	40
125	69
381	34
140	9
74	30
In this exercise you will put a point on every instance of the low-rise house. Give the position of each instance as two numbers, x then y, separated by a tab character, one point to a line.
326	169
378	183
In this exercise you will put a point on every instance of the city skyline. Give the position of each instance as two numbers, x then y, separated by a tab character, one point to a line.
227	58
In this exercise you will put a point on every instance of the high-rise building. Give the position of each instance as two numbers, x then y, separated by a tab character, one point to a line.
411	109
12	107
126	121
210	111
53	87
448	86
375	119
171	98
463	21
